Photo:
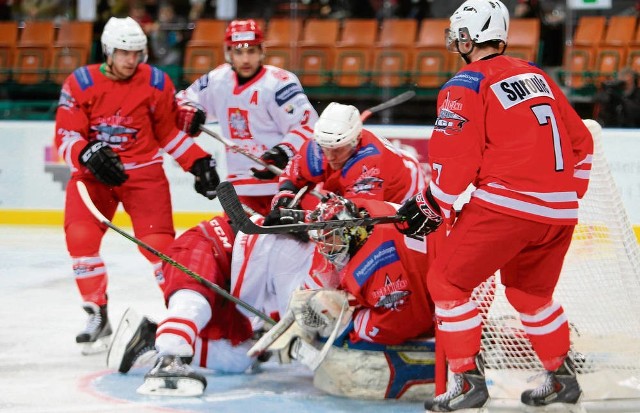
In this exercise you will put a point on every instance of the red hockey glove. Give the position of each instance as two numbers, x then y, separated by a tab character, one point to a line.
103	163
207	180
422	214
278	156
190	116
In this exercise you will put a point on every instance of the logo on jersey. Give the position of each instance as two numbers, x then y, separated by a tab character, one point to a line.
367	182
66	100
466	79
239	123
449	121
111	129
203	81
520	88
363	152
281	75
289	109
385	254
393	295
286	93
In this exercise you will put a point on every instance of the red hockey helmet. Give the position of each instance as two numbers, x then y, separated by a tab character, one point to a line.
243	33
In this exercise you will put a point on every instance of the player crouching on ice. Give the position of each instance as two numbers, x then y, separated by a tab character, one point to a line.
378	315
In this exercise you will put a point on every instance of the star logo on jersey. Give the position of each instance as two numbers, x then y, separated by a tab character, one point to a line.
239	123
112	129
367	182
393	294
449	121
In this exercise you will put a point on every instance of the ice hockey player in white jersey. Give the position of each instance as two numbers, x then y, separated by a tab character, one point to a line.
261	108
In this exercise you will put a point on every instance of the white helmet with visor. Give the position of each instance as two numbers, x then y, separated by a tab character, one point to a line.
124	34
478	21
338	125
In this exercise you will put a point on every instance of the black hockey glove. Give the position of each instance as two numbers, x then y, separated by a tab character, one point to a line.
285	216
277	156
422	214
103	163
190	117
207	180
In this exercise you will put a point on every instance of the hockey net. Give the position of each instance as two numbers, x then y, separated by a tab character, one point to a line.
599	289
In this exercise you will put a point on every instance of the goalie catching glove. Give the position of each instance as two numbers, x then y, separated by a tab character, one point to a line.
190	116
207	180
277	156
103	163
421	214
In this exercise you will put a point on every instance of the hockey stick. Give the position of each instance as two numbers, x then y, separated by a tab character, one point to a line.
232	206
86	198
272	168
401	98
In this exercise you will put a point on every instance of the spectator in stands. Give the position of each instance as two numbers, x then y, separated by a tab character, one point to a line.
5	10
42	9
617	103
552	18
166	36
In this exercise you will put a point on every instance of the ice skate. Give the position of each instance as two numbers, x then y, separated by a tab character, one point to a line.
96	334
133	343
171	377
467	390
560	386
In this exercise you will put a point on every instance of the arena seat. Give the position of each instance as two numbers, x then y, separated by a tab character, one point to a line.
633	52
205	50
281	39
354	52
431	60
524	39
71	48
579	58
8	41
317	51
393	52
611	54
33	52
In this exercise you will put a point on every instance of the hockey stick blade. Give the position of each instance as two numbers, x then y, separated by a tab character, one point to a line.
232	206
86	198
401	98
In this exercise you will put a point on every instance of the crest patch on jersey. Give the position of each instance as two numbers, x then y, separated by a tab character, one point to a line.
466	79
393	294
239	123
314	159
157	78
287	92
382	256
520	88
83	77
368	181
112	129
449	121
365	151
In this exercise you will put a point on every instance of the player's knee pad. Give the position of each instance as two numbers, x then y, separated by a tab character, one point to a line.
83	238
160	242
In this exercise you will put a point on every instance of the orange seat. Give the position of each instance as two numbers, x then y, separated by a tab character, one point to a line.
393	52
611	54
354	52
579	58
33	54
633	52
8	40
205	50
316	51
71	48
431	60
524	39
281	39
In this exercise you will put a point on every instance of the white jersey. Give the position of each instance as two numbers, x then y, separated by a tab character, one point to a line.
266	269
270	109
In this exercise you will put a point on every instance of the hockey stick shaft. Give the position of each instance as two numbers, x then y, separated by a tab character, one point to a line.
232	206
86	198
401	98
226	142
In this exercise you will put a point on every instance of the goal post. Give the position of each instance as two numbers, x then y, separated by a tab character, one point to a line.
599	290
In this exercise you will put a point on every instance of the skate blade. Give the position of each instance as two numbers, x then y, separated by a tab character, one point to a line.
172	386
126	328
99	346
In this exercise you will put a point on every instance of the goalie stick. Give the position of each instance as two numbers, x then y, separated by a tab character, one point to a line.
232	206
86	198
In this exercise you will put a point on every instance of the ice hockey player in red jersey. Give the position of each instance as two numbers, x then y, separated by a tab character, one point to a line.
260	108
506	127
113	122
350	161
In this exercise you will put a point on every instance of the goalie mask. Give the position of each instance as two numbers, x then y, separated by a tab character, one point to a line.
337	244
477	21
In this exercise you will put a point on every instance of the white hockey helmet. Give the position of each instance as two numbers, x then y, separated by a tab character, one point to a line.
339	125
124	34
483	20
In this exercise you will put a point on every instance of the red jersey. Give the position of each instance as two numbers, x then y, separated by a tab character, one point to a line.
506	127
387	275
136	117
377	170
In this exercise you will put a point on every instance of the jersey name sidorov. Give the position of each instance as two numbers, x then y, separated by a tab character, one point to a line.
520	88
